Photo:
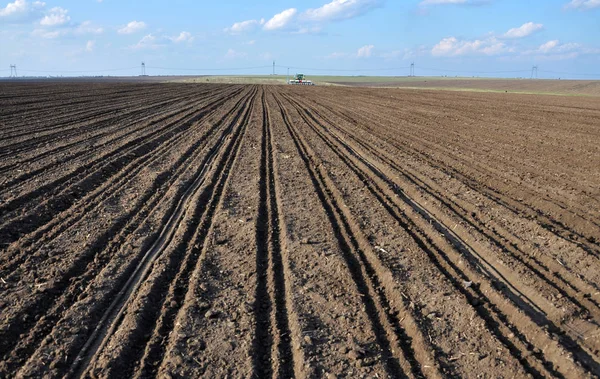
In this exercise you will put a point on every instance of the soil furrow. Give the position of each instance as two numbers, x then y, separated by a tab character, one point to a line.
137	159
216	230
193	247
270	306
89	177
84	135
396	364
112	238
112	317
543	218
537	316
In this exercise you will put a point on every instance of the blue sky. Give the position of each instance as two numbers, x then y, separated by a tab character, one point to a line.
351	37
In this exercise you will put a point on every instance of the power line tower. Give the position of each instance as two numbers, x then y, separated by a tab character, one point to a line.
412	69
13	70
143	69
273	67
534	72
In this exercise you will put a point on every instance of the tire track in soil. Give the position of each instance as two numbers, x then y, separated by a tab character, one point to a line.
151	119
543	218
110	238
579	294
111	319
501	278
140	123
561	205
575	290
192	250
66	126
387	200
54	228
102	192
54	109
397	353
90	177
272	333
72	124
82	132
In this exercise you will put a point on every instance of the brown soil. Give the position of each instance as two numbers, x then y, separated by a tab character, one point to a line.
182	230
570	87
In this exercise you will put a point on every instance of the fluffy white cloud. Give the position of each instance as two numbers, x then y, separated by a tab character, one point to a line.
523	30
583	4
21	11
182	37
244	26
309	21
87	27
452	46
340	10
149	41
133	27
554	50
55	17
365	51
548	46
281	20
89	46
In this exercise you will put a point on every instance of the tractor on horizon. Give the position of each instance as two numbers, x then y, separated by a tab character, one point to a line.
300	79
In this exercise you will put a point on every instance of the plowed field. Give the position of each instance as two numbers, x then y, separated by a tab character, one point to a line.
183	230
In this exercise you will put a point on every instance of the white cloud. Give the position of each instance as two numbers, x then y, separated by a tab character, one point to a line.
523	30
281	20
89	46
232	54
251	42
365	51
21	11
583	4
56	16
133	27
451	46
182	37
548	46
341	10
243	26
147	42
87	27
84	28
554	50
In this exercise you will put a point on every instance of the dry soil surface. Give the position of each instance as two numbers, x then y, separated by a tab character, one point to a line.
184	230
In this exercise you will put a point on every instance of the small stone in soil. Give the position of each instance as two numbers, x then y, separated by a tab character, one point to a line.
211	314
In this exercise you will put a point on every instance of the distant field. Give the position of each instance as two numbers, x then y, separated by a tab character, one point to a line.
542	86
546	86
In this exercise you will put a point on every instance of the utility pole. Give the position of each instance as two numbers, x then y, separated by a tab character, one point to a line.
273	67
13	70
143	69
534	72
412	69
288	76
